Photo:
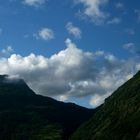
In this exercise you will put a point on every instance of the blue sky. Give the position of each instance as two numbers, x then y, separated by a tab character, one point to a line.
104	34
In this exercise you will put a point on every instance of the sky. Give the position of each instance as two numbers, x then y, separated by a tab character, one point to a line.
77	51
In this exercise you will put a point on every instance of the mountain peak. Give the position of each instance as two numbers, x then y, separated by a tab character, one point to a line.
25	115
11	85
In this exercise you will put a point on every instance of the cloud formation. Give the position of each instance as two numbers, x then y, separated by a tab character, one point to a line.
45	34
96	99
6	51
73	30
119	5
132	48
72	73
115	20
34	3
93	10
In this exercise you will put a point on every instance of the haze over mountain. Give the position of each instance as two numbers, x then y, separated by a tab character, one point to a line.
118	118
27	116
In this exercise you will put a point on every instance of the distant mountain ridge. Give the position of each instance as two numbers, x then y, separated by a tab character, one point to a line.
27	116
118	118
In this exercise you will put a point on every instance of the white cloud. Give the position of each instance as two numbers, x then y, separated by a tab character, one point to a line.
131	47
97	100
71	73
7	51
138	67
93	10
73	30
62	98
45	34
35	3
119	5
115	20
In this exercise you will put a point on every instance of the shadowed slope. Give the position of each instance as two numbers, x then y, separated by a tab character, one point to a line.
118	118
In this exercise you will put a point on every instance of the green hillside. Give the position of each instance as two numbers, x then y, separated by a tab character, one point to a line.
118	118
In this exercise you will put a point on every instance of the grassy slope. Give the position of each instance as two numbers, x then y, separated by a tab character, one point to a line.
118	118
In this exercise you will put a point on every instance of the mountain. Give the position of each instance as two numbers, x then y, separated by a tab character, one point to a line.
14	86
118	118
25	115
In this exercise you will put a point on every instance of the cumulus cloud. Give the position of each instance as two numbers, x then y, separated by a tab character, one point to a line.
7	51
119	5
115	20
73	30
62	98
129	46
132	48
93	9
97	100
35	3
71	73
45	34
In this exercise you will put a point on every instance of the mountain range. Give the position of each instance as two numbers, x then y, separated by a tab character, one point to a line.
118	118
25	115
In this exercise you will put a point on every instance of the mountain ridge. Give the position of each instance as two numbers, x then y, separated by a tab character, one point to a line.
25	115
118	117
32	117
